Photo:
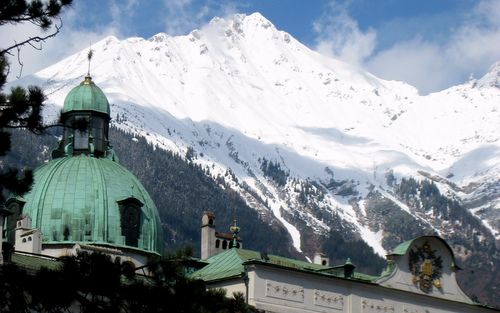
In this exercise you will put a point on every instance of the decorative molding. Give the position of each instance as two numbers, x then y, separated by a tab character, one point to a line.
328	299
371	306
411	309
284	291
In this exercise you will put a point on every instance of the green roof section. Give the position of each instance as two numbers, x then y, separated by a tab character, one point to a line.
402	247
77	199
86	97
34	262
224	265
231	263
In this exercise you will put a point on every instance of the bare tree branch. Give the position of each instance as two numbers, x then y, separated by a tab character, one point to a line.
35	39
21	64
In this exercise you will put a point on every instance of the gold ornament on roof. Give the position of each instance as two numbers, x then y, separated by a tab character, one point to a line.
426	267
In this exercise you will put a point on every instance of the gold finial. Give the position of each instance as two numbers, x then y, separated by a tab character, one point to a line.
235	230
87	80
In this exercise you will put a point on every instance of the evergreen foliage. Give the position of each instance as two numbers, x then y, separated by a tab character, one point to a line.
183	190
342	188
274	171
21	108
426	196
398	225
309	190
94	283
362	256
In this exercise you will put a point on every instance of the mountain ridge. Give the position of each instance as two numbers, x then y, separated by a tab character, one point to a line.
238	92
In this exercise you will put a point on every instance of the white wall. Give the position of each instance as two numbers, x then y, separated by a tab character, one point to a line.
286	291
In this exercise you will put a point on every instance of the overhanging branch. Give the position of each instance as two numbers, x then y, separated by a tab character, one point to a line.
34	40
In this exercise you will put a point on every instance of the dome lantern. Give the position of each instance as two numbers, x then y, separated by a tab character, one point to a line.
85	116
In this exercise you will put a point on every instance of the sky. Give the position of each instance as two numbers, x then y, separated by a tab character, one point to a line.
431	44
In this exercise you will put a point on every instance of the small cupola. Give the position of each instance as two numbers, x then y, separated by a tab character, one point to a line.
86	116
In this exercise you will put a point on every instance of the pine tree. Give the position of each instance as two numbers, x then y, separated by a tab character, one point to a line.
21	108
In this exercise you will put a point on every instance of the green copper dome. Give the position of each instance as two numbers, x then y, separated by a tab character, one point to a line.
83	199
86	97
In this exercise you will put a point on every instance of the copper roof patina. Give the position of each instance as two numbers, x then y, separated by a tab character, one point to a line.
86	97
231	263
76	199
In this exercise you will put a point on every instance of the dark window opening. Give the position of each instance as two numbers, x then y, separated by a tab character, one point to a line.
217	243
66	233
130	216
77	132
81	140
99	133
224	245
323	262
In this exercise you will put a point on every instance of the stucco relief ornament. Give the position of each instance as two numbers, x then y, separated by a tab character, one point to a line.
426	267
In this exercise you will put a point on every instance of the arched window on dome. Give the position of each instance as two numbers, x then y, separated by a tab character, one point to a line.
130	220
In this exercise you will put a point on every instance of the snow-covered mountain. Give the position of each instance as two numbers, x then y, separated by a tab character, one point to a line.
306	139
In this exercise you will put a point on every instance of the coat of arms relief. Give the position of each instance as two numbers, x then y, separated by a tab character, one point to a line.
426	267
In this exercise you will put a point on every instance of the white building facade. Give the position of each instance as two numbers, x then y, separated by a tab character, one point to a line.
420	278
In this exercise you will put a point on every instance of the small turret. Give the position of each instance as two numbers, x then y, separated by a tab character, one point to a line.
207	235
213	242
28	239
85	116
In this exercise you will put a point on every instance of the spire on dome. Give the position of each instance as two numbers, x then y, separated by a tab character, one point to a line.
89	57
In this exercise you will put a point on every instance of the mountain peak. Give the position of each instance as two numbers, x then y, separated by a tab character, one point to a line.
239	22
160	37
492	78
258	19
